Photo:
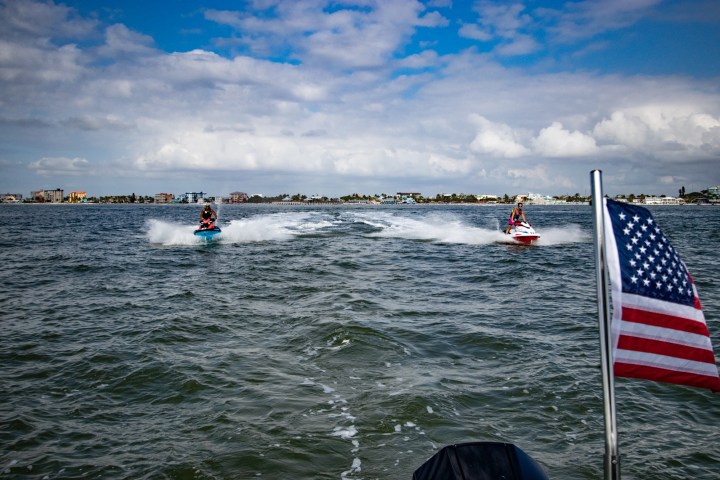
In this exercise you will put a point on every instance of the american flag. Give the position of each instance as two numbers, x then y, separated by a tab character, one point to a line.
658	327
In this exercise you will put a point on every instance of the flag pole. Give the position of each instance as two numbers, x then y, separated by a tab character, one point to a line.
612	458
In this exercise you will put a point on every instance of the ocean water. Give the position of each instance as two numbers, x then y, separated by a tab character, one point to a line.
324	343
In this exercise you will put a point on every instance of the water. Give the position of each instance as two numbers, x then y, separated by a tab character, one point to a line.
323	343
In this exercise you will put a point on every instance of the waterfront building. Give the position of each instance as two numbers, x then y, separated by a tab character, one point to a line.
539	199
483	197
194	197
10	197
47	196
77	197
164	197
663	201
238	197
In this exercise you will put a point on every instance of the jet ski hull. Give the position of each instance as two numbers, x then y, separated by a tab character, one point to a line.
526	239
207	233
524	233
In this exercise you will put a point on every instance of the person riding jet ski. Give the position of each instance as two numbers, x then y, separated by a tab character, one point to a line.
208	217
516	216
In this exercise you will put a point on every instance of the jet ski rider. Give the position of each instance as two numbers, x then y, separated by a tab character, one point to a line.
517	215
208	217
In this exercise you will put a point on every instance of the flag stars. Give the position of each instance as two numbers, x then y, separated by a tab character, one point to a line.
646	282
626	231
633	279
622	216
636	218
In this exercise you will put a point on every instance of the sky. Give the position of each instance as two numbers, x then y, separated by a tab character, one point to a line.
360	96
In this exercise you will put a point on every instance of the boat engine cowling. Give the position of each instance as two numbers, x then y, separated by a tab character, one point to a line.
480	461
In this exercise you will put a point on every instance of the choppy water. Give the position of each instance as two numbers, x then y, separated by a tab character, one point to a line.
323	343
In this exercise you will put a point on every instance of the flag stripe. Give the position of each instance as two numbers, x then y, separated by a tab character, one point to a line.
627	342
669	376
665	335
665	362
664	320
658	306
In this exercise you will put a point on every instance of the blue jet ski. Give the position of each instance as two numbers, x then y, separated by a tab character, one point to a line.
207	230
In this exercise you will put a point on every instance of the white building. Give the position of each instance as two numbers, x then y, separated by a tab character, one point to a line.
663	201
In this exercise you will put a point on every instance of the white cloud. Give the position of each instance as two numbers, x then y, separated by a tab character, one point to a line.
555	141
119	40
586	19
661	127
496	139
519	45
55	166
475	32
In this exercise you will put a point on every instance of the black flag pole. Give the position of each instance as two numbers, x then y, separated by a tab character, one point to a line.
612	458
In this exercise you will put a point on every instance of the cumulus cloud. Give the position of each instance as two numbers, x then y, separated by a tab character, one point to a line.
555	141
661	127
496	139
120	41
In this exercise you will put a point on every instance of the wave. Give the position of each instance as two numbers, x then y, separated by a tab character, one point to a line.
286	226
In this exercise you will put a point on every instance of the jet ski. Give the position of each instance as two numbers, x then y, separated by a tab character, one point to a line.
523	232
207	229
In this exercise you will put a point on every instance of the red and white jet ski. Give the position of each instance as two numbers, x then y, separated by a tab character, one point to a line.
523	232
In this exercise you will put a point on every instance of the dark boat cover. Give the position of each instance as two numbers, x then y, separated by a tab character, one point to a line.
480	461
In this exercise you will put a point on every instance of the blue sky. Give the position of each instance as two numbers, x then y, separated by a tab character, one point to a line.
324	97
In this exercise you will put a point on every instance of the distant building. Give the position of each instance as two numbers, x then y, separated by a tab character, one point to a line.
539	199
47	196
238	197
164	197
194	197
10	197
714	191
408	194
663	201
486	198
77	197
